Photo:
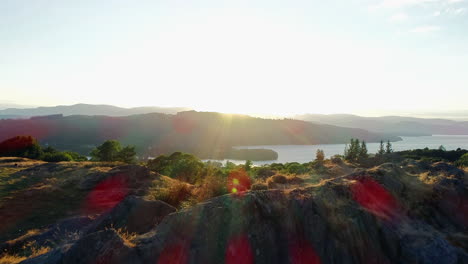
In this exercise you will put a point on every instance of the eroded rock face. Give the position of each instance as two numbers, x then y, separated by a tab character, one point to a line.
100	247
134	215
379	215
66	229
132	175
275	227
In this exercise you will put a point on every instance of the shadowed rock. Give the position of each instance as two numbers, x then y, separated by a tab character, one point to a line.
134	214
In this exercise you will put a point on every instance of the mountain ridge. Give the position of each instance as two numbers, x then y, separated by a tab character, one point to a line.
86	109
398	125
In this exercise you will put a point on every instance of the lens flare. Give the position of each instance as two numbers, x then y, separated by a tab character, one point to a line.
174	254
238	181
238	251
106	195
183	124
375	198
301	252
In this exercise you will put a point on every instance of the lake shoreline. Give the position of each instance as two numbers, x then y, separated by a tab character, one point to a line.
306	153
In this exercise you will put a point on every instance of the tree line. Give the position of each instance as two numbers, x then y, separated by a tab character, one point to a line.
28	147
112	150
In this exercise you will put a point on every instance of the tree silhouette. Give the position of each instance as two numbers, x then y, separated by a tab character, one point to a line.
363	151
111	150
388	148
320	155
381	151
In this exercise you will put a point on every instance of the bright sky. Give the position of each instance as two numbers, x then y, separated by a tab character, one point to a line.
246	56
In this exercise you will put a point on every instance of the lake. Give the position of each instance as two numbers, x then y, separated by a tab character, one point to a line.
306	153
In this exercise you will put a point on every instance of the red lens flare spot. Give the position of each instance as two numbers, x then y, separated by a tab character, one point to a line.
174	254
301	252
111	127
37	127
238	251
16	144
106	195
295	128
238	181
183	124
375	198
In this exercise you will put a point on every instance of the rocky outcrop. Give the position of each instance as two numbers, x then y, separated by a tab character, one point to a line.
134	215
132	175
380	215
101	247
64	230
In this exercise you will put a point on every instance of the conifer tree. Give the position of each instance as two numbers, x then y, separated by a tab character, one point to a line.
388	148
381	149
363	151
320	155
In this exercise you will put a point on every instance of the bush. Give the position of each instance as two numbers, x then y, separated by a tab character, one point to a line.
20	146
76	157
111	150
295	180
281	179
263	172
175	194
56	157
259	187
182	166
463	161
336	159
434	154
212	186
295	168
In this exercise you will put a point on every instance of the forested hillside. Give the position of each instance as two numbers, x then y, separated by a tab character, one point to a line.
203	133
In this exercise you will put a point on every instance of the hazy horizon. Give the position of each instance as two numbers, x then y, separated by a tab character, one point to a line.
461	115
363	57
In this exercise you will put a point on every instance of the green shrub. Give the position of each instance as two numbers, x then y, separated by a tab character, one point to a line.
56	157
295	168
111	150
182	166
463	161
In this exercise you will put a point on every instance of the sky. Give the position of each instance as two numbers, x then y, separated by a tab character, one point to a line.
367	57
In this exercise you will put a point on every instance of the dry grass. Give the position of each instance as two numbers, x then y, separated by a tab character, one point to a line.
30	233
183	195
128	238
30	250
39	251
285	181
174	194
212	186
427	178
11	259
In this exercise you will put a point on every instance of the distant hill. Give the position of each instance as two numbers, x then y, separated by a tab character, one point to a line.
206	134
86	109
397	125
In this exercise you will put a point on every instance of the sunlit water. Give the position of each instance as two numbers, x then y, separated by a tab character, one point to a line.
306	153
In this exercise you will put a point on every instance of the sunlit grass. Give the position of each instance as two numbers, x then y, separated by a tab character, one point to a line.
29	250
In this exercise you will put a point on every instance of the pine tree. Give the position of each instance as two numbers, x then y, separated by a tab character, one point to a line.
381	151
388	148
363	151
352	152
320	155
